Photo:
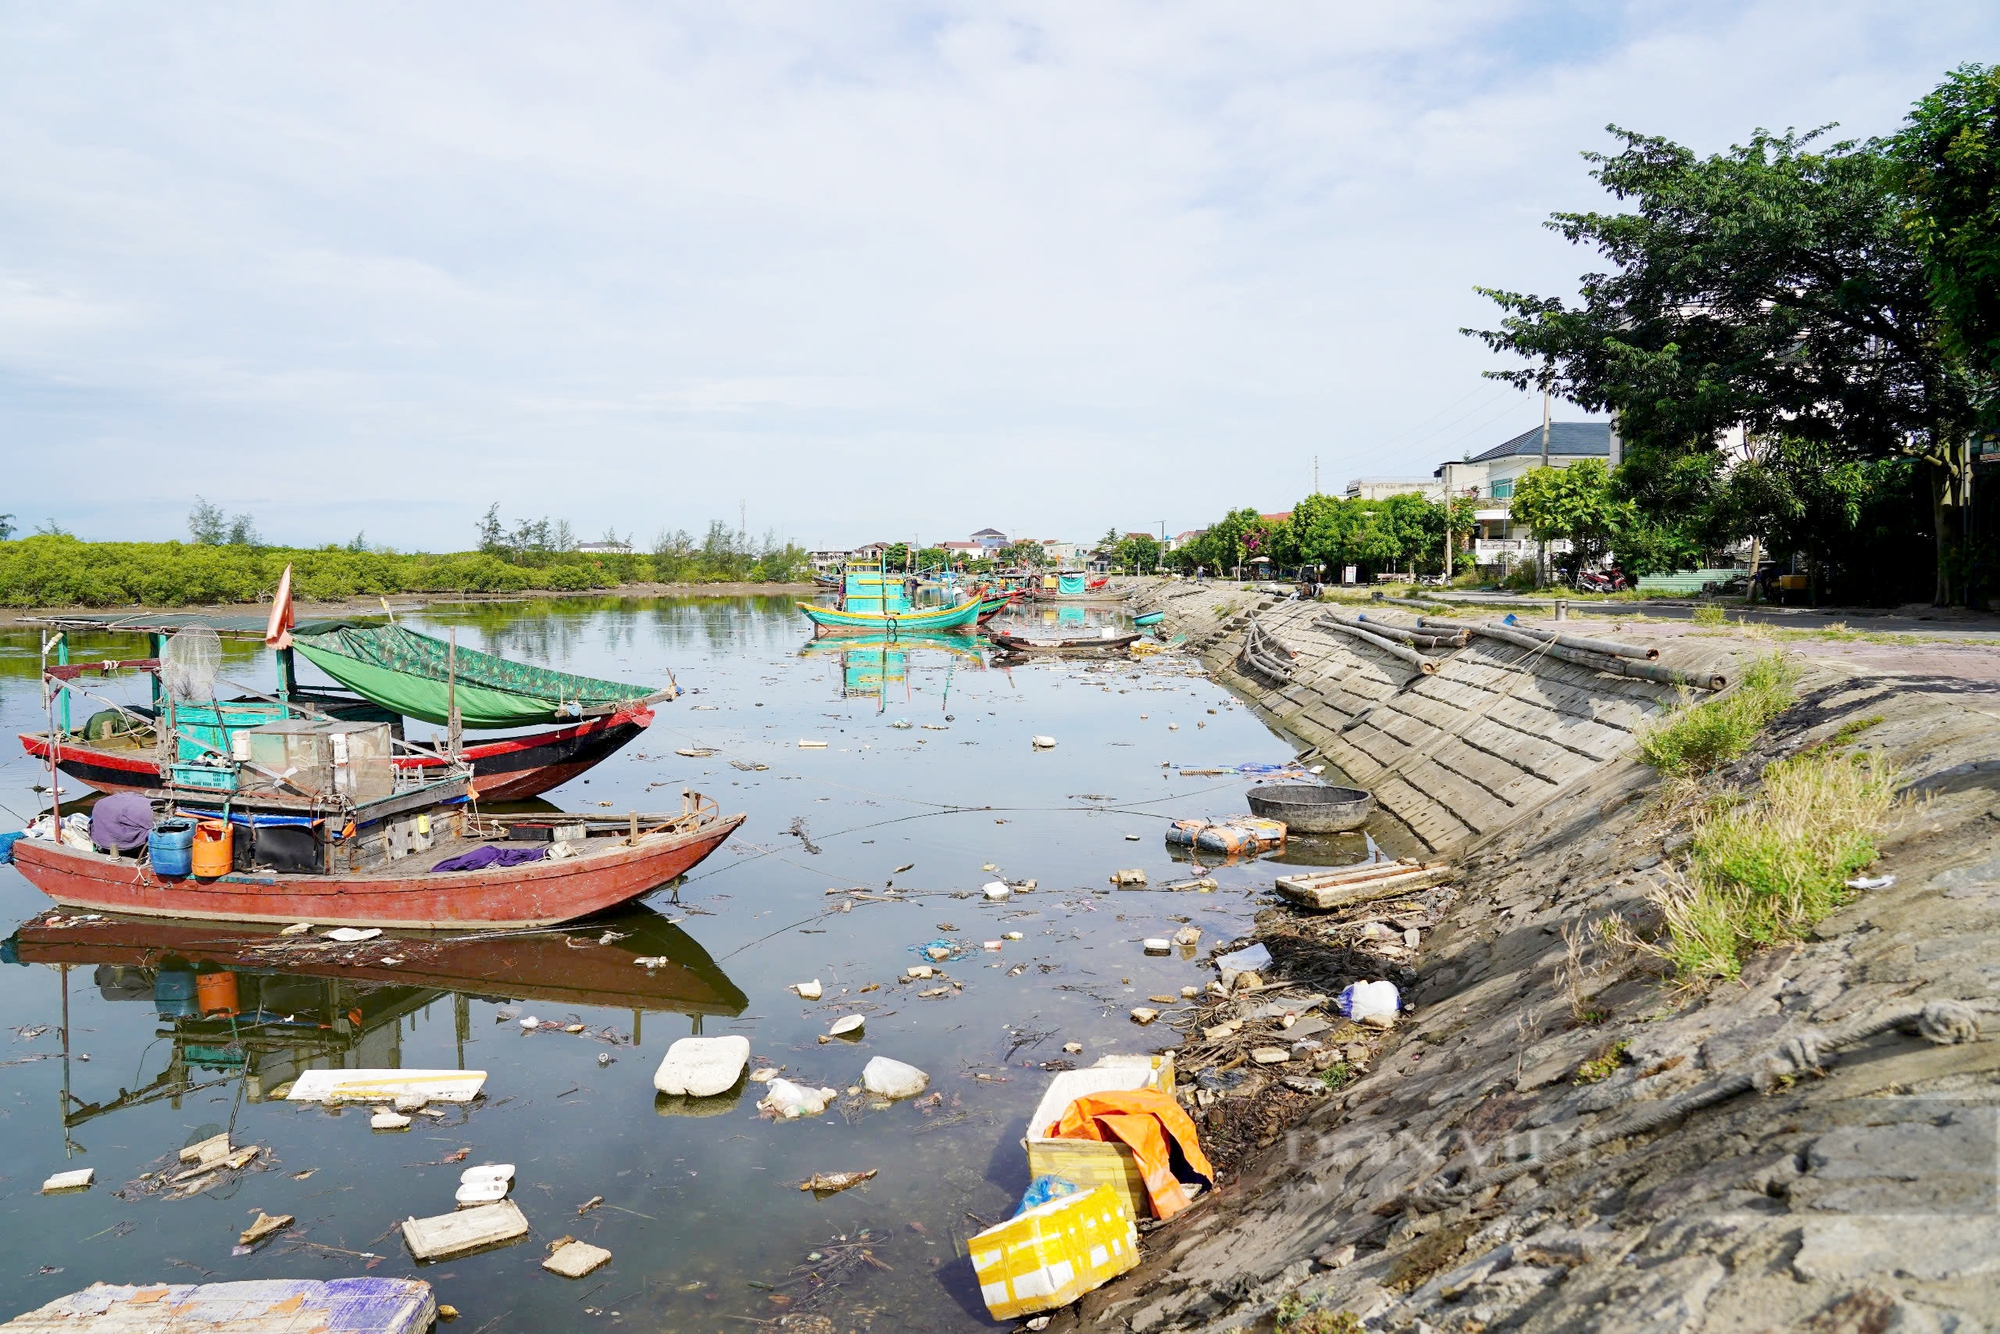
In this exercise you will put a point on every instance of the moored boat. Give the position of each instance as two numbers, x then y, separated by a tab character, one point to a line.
393	673
1106	640
873	600
619	860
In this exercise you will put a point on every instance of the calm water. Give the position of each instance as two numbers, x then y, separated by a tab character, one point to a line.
700	1200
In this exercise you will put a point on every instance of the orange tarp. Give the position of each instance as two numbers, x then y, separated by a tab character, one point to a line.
1140	1119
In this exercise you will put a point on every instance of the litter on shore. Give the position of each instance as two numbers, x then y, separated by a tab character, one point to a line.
376	1085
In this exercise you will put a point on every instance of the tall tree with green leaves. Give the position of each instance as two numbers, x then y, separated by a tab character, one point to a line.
1574	504
1772	290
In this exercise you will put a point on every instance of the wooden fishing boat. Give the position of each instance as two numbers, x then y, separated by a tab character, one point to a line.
927	620
872	599
392	673
1105	641
1070	586
993	605
508	769
617	862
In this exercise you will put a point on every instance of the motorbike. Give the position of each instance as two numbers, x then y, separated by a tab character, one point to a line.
1601	581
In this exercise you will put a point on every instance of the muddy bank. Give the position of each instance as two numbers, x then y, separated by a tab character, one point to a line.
1555	1137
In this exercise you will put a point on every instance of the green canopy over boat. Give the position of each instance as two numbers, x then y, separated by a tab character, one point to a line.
415	675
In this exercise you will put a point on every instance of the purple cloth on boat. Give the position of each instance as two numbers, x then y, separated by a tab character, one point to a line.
121	821
487	855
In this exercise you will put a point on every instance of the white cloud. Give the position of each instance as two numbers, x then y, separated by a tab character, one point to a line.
869	268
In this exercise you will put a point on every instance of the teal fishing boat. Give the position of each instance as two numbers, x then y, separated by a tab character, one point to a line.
873	600
1149	620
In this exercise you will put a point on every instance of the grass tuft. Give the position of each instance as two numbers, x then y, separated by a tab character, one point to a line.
1769	869
1710	616
1696	738
1603	1065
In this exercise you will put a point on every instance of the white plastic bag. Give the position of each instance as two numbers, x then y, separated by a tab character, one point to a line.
791	1100
1370	1000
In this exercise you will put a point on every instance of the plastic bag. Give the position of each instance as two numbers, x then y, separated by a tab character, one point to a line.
1370	1000
1043	1189
791	1100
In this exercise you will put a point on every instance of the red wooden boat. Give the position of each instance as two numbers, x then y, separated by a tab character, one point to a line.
405	894
509	769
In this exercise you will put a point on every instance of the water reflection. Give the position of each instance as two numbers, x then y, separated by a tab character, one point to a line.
239	1002
870	664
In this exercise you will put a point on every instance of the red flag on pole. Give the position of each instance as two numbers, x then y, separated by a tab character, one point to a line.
279	633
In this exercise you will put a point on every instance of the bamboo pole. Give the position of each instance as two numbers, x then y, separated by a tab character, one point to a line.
1414	638
1428	666
1608	647
1647	671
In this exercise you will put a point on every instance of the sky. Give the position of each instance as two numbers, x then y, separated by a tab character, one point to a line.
839	273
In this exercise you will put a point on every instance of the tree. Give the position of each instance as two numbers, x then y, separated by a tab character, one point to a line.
1029	554
492	536
6	526
207	524
1139	553
896	555
1573	503
1773	290
243	531
1945	166
933	558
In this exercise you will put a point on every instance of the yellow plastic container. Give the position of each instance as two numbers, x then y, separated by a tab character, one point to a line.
1091	1163
1053	1254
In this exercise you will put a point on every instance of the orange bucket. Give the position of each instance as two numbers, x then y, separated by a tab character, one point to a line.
213	849
216	992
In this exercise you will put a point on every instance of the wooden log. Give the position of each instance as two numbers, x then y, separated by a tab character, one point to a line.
1428	666
1414	638
1608	647
1649	671
467	1230
1311	891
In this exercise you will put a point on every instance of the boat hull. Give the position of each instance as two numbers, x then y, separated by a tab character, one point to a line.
1010	643
915	622
507	769
537	894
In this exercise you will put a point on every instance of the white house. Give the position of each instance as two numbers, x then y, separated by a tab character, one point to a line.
605	548
1381	488
1489	479
990	538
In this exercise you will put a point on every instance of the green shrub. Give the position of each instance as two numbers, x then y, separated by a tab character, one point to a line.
1696	738
1767	870
62	571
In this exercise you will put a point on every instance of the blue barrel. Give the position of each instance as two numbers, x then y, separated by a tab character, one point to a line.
170	847
174	994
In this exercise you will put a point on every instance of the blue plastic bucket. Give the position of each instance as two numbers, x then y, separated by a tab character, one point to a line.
170	848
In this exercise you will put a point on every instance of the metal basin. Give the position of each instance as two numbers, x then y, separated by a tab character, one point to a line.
1312	808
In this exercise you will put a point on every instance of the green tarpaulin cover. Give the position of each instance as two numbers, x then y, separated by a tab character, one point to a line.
407	672
1070	584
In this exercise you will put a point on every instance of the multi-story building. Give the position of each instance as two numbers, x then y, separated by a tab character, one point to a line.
1490	478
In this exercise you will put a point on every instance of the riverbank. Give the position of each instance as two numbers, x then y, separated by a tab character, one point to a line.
398	604
1558	1134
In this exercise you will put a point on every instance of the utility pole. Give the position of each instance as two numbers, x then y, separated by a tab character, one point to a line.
1447	523
1542	552
1315	474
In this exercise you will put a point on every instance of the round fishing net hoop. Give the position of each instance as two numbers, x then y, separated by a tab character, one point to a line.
190	662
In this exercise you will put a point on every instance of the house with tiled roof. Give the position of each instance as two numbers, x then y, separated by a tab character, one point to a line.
1489	479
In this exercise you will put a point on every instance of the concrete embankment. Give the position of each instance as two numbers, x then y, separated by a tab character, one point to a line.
1560	1137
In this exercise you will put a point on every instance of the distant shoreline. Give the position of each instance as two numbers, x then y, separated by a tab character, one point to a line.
407	602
